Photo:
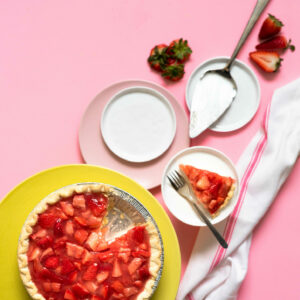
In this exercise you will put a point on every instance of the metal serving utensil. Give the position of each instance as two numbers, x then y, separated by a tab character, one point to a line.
181	186
217	88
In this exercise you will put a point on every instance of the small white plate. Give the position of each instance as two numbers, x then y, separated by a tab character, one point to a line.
246	102
203	158
138	124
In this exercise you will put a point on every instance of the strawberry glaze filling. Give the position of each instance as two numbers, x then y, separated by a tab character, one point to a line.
69	258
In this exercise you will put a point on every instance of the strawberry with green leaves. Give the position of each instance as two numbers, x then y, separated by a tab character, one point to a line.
270	27
269	61
277	42
174	71
180	50
158	57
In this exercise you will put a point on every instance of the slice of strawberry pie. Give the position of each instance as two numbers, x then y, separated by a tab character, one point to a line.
63	253
212	190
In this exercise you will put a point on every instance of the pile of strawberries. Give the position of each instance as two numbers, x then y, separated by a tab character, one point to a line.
169	60
267	56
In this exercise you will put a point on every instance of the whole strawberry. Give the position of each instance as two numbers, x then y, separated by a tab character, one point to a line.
179	49
270	27
174	71
158	57
277	42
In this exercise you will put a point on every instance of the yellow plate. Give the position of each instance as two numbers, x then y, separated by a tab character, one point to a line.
22	199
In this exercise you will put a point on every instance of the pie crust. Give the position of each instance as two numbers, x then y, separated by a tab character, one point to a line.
154	239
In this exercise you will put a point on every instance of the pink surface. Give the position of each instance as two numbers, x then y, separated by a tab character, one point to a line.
56	56
95	151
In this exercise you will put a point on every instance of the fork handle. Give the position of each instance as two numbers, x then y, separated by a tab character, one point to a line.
211	227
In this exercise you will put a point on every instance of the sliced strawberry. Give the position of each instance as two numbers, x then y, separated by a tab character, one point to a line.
144	272
81	221
72	276
278	42
268	61
60	243
140	253
55	287
94	222
138	234
173	72
80	291
129	291
97	204
67	208
58	227
67	266
41	233
103	291
87	257
92	241
47	286
79	201
45	242
117	286
102	245
158	57
74	250
81	235
69	295
179	49
47	274
59	213
51	262
134	265
91	286
69	227
270	27
48	252
46	220
34	253
105	256
102	276
124	254
116	272
91	272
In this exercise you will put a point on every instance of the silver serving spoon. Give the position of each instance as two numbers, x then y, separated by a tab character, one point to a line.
217	88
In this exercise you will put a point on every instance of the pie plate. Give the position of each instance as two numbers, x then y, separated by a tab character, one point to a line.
203	158
16	206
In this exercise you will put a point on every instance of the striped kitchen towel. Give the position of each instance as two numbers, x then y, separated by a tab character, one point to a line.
214	273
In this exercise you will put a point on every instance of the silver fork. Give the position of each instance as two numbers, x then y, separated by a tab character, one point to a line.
180	185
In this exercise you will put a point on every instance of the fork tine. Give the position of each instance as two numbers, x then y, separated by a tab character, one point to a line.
180	177
172	182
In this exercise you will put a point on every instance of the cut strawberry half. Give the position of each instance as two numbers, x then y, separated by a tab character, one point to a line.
267	61
278	42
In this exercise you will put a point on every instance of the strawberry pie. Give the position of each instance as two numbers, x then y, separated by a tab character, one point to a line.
63	252
212	190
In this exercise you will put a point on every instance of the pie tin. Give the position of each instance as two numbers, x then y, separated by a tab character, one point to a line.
126	211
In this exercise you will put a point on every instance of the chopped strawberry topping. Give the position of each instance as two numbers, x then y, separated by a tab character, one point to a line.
46	220
97	204
74	250
79	201
58	227
116	269
51	262
91	272
103	275
67	266
81	236
69	295
80	290
67	208
138	234
45	242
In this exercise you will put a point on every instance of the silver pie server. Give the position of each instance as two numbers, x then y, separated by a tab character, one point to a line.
216	89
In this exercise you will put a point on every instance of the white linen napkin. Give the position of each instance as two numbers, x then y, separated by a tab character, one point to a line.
214	273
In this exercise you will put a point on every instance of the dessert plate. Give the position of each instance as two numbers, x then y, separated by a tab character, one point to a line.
95	151
203	158
23	198
138	124
246	102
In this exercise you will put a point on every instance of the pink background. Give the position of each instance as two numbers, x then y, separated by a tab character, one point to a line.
55	56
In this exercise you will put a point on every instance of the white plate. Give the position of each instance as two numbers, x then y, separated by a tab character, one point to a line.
246	102
202	158
138	124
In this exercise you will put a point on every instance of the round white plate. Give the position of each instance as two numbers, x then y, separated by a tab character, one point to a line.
203	158
246	102
138	124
